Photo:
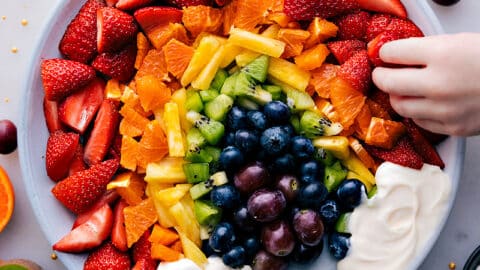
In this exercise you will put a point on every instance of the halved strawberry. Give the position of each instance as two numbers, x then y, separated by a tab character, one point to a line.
307	9
103	133
109	197
61	147
403	153
423	147
79	109
77	163
115	29
79	42
62	77
111	3
119	235
357	71
50	111
80	191
394	7
117	65
151	17
344	49
107	257
352	25
377	24
187	3
142	256
132	4
89	234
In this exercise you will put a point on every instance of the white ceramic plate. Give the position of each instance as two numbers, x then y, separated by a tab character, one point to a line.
56	221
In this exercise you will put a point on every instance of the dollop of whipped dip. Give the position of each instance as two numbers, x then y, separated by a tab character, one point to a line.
214	263
389	230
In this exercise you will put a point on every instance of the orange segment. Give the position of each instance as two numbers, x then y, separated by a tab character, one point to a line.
163	235
384	133
113	90
198	19
362	122
177	57
346	101
153	145
134	118
249	13
138	219
153	93
322	79
164	253
279	18
161	34
7	199
177	246
377	110
143	46
154	64
294	40
129	153
312	58
130	186
129	129
320	30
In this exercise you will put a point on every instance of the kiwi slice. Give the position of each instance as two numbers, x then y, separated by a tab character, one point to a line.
196	172
207	213
218	108
194	101
229	85
342	223
334	175
203	188
208	95
210	129
219	79
276	91
258	68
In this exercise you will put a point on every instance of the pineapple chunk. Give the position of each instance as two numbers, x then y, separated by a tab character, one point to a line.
354	164
180	97
256	42
165	219
206	76
171	117
203	54
192	251
173	195
231	51
167	171
338	145
288	73
248	56
186	221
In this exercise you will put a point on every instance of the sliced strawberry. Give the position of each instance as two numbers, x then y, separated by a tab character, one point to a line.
62	77
377	24
103	133
109	197
344	49
111	3
394	7
107	257
80	191
117	65
145	264
88	235
119	235
141	252
306	9
187	3
353	25
77	163
132	4
115	29
79	109
402	154
151	17
61	149
357	71
79	42
423	147
50	111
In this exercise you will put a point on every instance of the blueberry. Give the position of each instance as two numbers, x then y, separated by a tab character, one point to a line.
222	238
236	257
312	195
243	221
284	164
277	112
350	193
246	140
252	245
237	118
329	212
304	254
312	169
289	129
301	147
338	245
207	249
225	196
229	139
257	120
231	158
274	140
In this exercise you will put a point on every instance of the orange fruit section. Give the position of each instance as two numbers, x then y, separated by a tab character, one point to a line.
153	93
177	57
322	79
312	58
362	122
163	235
198	19
129	153
153	145
294	40
160	35
384	133
154	64
7	199
143	46
320	30
347	101
138	219
164	253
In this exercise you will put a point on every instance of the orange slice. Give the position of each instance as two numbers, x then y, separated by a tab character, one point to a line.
138	219
347	101
7	199
198	19
177	57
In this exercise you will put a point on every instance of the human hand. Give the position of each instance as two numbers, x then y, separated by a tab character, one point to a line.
440	86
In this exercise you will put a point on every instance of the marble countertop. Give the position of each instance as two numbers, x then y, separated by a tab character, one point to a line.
23	238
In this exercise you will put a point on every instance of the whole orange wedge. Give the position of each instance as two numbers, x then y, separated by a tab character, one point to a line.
7	199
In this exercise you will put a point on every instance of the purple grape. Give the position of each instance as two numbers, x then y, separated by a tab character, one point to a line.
266	205
289	186
266	261
251	178
446	2
8	137
308	227
277	238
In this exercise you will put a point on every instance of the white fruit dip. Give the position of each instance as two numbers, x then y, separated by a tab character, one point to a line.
389	230
214	263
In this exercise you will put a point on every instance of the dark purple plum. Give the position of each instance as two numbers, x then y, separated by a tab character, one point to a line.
266	205
277	238
289	186
266	261
308	227
8	136
251	178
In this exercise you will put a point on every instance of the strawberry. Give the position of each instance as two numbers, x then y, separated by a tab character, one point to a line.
119	235
353	25
107	257
402	154
79	109
383	99
377	24
187	3
50	111
357	71
433	138
132	4
344	49
142	254
117	65
111	3
80	191
103	133
61	149
88	235
145	264
62	77
394	7
151	17
79	42
109	197
115	29
77	163
423	147
308	9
